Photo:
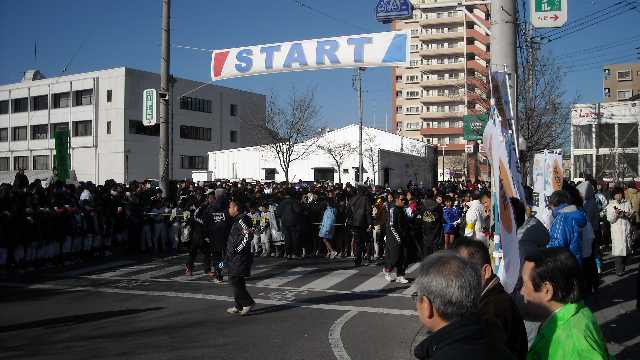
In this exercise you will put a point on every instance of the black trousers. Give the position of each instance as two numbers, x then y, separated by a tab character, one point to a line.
292	239
240	293
396	257
590	276
205	248
360	237
620	264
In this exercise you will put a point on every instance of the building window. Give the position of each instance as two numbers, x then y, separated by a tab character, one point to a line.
82	128
624	94
109	96
398	109
83	97
4	107
624	75
19	133
414	63
233	110
39	132
607	92
398	78
19	105
61	100
41	162
193	162
20	163
195	104
4	164
233	136
58	127
39	102
109	127
412	94
269	174
4	134
137	128
607	74
195	133
412	78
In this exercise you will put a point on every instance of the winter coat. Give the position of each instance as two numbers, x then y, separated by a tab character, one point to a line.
633	197
475	221
217	223
450	216
360	211
469	338
620	228
566	230
532	235
289	212
496	304
396	226
239	258
590	205
274	228
328	221
570	333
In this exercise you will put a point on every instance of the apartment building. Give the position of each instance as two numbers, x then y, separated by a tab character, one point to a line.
447	77
621	82
102	110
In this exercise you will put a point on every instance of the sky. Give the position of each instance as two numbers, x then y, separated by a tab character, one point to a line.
87	35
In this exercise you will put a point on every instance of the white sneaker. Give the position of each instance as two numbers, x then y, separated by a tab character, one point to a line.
233	311
333	254
388	277
402	280
245	310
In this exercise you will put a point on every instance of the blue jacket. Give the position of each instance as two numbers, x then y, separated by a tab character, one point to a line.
328	219
451	215
566	229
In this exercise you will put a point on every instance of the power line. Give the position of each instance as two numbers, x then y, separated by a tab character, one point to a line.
603	46
595	21
328	16
584	19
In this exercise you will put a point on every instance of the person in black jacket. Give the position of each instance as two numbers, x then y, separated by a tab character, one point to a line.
395	252
239	258
290	213
21	182
495	303
199	241
431	224
447	299
361	215
217	224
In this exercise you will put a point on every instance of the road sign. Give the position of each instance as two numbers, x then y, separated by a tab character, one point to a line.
473	126
388	10
149	107
548	13
469	148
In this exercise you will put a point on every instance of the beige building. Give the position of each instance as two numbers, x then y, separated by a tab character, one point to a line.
447	77
621	82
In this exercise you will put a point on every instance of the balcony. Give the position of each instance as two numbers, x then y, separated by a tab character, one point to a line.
442	51
472	49
442	36
478	83
441	131
481	20
438	83
442	20
474	65
441	99
441	115
475	34
451	66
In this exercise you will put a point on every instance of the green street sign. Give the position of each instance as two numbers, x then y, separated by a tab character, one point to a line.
548	5
149	107
474	126
548	13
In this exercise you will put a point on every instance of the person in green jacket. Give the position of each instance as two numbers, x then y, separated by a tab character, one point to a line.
551	291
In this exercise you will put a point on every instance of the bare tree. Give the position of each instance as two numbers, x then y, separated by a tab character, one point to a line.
339	152
543	115
290	126
370	153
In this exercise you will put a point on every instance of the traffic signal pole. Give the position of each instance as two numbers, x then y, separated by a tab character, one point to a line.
163	157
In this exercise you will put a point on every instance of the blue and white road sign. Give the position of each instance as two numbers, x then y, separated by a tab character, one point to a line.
387	10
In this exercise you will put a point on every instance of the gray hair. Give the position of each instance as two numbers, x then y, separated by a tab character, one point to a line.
451	283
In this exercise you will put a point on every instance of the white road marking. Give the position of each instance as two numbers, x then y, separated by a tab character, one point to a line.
97	268
413	268
367	309
410	290
285	277
335	340
376	283
329	280
120	272
160	272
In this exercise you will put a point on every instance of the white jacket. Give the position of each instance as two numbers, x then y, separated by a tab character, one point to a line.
620	228
475	221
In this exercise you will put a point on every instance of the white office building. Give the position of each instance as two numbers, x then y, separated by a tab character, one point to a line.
102	110
389	159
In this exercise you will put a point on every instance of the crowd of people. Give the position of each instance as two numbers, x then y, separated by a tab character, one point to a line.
449	228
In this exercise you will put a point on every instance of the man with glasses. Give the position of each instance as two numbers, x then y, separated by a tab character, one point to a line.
447	300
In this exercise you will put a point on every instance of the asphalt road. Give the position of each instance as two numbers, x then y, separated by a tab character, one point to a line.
145	308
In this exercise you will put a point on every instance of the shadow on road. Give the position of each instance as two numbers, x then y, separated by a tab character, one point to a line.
75	319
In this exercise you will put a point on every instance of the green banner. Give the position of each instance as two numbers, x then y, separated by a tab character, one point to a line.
61	159
548	5
474	126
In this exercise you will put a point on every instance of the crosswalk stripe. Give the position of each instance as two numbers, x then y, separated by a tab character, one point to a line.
413	268
97	268
410	290
285	277
378	282
127	270
163	271
329	280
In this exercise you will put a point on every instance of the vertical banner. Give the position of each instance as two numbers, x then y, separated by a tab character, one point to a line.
547	178
62	154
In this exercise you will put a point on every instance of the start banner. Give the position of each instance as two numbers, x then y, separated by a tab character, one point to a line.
366	50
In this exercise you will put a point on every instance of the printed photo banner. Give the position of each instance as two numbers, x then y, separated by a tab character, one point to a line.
547	178
366	50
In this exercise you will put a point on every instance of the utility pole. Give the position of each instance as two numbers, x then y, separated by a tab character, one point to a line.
164	159
357	84
503	45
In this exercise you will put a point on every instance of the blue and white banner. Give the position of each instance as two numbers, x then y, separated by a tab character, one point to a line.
367	50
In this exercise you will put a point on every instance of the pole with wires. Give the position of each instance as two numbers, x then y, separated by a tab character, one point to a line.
163	157
357	85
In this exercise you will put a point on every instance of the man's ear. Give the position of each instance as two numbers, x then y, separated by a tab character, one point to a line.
547	291
427	307
486	271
